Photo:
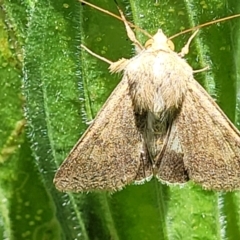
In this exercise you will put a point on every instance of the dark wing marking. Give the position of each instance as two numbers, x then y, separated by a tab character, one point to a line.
170	166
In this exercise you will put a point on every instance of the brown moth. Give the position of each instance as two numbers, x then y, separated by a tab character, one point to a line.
159	122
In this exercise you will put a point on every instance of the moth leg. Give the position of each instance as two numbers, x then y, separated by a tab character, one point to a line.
185	49
117	66
201	70
96	55
130	33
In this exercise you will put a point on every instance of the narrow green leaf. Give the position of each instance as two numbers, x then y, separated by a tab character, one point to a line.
64	88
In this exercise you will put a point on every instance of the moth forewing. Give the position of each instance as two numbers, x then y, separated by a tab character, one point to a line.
211	143
158	121
108	156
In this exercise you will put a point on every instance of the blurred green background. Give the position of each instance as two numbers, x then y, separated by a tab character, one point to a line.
48	80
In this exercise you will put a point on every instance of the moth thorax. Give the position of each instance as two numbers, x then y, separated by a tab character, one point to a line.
155	96
157	81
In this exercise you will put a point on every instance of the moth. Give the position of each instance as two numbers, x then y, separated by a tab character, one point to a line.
159	121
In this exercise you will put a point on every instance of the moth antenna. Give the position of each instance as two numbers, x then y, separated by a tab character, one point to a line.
118	17
205	25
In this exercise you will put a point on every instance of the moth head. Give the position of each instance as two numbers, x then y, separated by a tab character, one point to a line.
159	41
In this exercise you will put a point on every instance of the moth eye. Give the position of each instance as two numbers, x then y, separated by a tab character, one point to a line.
170	44
148	43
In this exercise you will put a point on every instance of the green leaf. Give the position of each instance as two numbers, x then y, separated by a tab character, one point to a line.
61	88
